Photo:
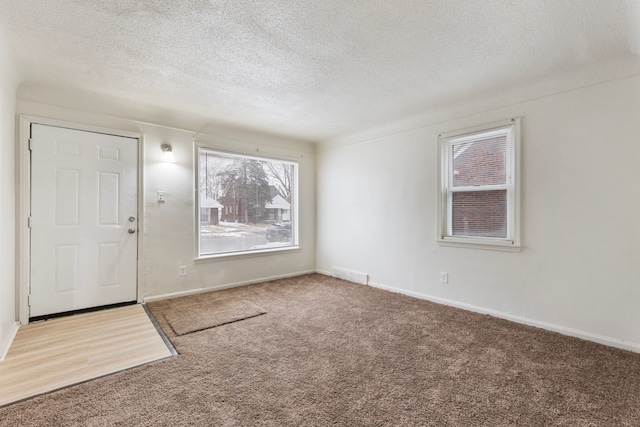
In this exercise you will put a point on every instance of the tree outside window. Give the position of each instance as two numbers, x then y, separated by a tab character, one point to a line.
245	203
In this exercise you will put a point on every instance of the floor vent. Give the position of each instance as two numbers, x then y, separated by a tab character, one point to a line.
352	276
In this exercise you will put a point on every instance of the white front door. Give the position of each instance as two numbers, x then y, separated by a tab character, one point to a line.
84	211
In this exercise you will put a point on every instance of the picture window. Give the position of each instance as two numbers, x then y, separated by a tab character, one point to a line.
245	204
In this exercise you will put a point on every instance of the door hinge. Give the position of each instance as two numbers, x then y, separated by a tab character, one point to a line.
30	145
29	222
29	300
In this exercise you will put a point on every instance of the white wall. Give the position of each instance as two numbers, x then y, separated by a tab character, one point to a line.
8	326
579	269
168	228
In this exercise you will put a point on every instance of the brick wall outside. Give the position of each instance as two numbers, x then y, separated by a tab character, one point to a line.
480	213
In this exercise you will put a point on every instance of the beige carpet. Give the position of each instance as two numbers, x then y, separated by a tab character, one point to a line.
190	314
333	353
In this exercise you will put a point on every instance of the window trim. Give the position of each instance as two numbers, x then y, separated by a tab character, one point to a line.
295	229
443	233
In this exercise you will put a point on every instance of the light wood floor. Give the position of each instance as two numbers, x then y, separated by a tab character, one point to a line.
56	353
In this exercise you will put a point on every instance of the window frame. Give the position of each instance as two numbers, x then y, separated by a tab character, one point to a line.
295	227
444	235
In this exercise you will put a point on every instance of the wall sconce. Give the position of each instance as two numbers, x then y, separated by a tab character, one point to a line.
168	153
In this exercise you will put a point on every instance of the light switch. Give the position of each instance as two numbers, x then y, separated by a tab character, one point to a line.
160	196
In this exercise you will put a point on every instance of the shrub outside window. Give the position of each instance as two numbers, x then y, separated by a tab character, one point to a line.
245	204
479	200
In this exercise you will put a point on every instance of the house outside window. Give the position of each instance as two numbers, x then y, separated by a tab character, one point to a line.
479	187
205	215
246	204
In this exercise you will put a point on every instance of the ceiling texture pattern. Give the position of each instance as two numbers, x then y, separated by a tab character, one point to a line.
313	69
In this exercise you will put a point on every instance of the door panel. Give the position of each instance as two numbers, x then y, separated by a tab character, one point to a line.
83	192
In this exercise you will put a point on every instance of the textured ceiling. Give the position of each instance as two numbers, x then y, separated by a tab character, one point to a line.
312	69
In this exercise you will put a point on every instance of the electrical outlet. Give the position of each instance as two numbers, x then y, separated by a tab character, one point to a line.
444	277
183	270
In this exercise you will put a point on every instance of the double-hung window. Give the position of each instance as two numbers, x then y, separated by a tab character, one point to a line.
245	204
479	187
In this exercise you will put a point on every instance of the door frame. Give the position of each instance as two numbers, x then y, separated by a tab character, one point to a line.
23	231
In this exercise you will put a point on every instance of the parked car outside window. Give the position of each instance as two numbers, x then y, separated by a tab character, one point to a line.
279	232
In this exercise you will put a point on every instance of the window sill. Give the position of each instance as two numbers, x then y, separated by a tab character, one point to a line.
486	244
245	254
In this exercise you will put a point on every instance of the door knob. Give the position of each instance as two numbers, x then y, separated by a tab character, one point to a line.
132	218
132	230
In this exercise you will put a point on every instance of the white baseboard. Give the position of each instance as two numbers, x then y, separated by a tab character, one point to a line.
600	339
225	286
7	344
